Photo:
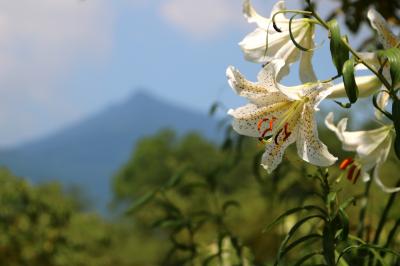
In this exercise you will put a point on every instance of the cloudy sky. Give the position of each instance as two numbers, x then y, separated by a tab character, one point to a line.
63	60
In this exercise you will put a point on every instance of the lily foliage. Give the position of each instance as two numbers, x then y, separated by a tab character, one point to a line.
279	115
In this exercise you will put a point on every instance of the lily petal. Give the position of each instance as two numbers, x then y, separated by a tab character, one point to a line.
253	17
386	36
309	147
382	101
381	159
363	142
367	85
307	73
265	91
274	151
246	118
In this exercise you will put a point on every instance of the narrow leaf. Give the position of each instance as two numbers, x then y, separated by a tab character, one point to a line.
140	202
292	211
328	244
345	224
396	114
396	122
292	231
176	178
306	257
393	57
397	145
298	242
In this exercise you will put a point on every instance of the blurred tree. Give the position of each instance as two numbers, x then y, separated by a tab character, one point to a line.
41	226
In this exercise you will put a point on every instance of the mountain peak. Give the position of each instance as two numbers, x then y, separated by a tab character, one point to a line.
143	95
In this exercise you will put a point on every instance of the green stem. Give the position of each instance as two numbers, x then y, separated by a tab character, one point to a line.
353	52
392	233
384	216
363	211
376	73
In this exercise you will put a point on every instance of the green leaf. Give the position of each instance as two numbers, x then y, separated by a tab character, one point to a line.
346	204
177	177
393	57
331	197
170	208
298	242
349	81
306	257
370	248
230	203
213	108
209	259
292	231
339	51
328	244
396	122
168	222
345	224
292	211
396	114
140	202
397	145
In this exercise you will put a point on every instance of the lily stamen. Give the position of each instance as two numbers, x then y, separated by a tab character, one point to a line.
260	123
346	162
277	136
287	133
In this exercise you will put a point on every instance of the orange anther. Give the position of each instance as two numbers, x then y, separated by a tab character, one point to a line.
346	162
271	123
259	125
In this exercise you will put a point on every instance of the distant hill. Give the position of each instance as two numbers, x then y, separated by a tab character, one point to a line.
88	153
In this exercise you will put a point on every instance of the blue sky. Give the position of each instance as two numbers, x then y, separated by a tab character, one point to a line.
67	59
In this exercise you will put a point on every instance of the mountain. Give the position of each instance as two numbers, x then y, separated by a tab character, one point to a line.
88	153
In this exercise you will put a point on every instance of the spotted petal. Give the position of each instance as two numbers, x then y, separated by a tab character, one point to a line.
246	118
263	92
275	149
386	36
309	147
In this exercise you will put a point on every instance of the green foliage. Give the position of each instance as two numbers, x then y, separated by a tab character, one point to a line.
349	80
198	208
41	226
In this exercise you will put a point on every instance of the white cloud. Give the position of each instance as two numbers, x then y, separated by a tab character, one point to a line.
40	42
202	18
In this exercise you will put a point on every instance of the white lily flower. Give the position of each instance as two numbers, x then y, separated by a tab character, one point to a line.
388	40
372	148
256	48
286	114
386	37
